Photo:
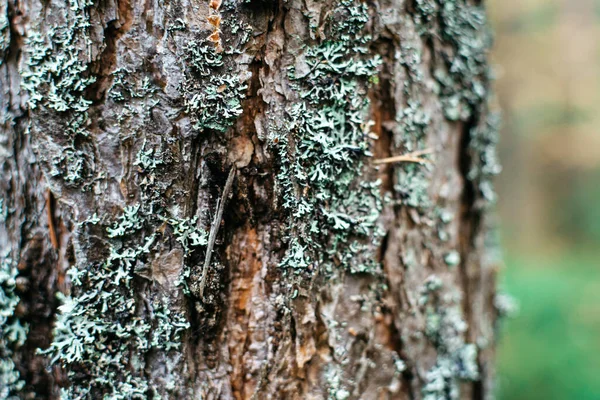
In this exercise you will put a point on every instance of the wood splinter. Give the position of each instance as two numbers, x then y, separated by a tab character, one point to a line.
409	157
50	214
214	229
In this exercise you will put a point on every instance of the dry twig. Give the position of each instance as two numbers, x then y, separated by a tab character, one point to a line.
409	157
214	229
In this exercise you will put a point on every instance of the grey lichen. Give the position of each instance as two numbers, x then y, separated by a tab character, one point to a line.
191	238
430	287
322	154
336	386
12	332
412	185
3	210
442	379
126	85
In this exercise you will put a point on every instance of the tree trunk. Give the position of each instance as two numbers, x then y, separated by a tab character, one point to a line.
200	200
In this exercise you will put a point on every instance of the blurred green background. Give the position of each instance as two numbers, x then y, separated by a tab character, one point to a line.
547	58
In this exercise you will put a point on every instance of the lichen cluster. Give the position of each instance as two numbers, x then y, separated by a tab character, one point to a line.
4	31
104	330
445	329
112	321
463	76
114	317
412	181
122	305
333	217
485	164
458	35
464	80
213	91
55	76
413	121
55	70
12	332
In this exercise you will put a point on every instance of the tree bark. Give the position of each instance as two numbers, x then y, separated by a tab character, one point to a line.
199	199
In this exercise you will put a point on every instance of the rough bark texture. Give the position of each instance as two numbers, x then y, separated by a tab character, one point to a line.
330	276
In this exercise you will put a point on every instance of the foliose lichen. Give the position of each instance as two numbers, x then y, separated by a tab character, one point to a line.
55	67
3	210
485	165
322	154
213	91
103	330
111	321
445	328
506	305
12	332
55	76
335	384
4	31
412	179
463	77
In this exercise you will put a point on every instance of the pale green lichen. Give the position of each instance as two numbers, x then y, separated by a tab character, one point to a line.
126	86
464	75
55	74
127	223
218	104
4	31
103	326
335	385
213	92
506	305
134	94
442	381
321	154
3	210
412	183
148	159
443	218
452	258
108	325
72	165
445	328
12	332
187	233
431	286
485	165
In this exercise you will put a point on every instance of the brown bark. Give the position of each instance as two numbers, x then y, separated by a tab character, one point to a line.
121	121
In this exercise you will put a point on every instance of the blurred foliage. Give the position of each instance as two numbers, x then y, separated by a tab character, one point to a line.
550	350
547	58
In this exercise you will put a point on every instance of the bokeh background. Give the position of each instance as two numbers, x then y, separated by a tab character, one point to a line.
547	60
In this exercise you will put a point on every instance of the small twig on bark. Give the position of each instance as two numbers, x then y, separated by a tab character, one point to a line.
409	157
214	229
50	211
